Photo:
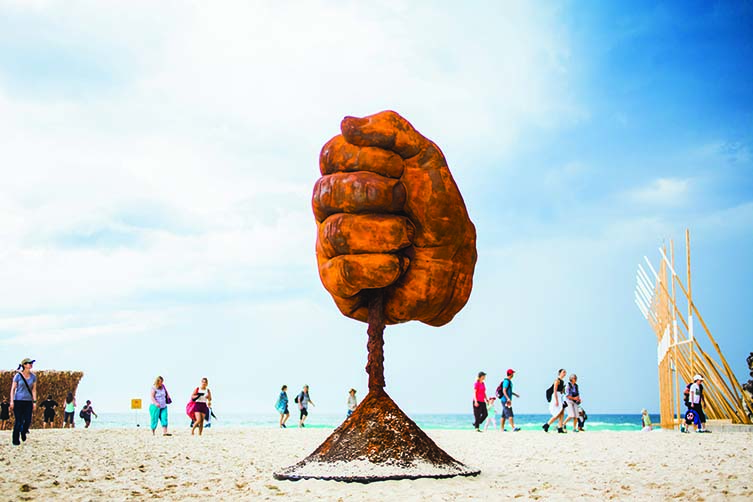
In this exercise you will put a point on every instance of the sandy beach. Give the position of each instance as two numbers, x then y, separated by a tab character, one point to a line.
238	464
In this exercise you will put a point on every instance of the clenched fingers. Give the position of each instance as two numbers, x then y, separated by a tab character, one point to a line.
360	192
364	233
347	275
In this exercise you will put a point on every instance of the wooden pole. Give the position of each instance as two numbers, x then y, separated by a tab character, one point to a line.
730	375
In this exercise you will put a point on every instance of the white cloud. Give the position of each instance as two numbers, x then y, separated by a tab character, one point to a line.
32	332
662	192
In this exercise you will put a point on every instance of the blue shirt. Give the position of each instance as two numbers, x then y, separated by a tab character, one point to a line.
506	384
22	393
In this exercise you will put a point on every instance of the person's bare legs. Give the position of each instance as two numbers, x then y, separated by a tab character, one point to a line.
556	417
198	422
502	421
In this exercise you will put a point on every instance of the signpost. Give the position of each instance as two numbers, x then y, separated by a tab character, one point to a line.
135	406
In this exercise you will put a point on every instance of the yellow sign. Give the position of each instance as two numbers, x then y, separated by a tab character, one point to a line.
135	404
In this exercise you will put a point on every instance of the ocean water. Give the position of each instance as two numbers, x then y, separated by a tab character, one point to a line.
456	421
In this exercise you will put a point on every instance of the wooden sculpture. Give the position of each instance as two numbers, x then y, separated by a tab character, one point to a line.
394	244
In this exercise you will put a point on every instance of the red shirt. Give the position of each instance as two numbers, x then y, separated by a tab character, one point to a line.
480	389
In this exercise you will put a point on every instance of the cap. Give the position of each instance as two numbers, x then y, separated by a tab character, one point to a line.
510	372
27	361
481	373
697	377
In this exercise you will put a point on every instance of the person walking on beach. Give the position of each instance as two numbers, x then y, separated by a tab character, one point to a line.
646	421
86	413
697	400
491	413
158	408
69	410
4	413
303	401
506	395
352	401
556	402
572	401
479	401
282	406
49	405
202	398
23	399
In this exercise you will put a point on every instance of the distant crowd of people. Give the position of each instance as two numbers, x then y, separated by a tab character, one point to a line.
302	400
23	402
563	398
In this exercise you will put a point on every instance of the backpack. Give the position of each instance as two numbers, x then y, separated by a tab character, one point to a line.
500	392
686	395
550	390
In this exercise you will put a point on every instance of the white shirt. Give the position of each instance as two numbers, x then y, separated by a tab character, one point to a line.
695	393
203	399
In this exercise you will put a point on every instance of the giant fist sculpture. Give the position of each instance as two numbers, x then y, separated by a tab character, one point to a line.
390	216
394	244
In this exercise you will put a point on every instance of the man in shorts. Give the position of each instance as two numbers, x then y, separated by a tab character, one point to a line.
506	400
303	400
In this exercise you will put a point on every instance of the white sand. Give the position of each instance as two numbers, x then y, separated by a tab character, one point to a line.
238	465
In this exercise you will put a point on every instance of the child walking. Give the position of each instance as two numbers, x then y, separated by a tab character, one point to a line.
492	413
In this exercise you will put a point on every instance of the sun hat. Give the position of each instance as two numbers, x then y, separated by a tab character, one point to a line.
510	372
697	377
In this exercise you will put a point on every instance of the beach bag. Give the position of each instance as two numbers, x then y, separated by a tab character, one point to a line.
549	393
297	398
167	396
190	409
197	397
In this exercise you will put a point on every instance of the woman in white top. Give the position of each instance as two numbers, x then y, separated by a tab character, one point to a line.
352	401
202	397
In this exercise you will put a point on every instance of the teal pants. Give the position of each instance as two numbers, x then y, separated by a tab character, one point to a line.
158	415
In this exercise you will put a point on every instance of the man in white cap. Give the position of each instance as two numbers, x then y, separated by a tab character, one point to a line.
697	401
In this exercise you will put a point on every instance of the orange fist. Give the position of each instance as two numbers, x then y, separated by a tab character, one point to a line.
390	216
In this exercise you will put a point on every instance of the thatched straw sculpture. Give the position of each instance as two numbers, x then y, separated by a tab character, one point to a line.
50	382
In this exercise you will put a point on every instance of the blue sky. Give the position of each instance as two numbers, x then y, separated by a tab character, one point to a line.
158	163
